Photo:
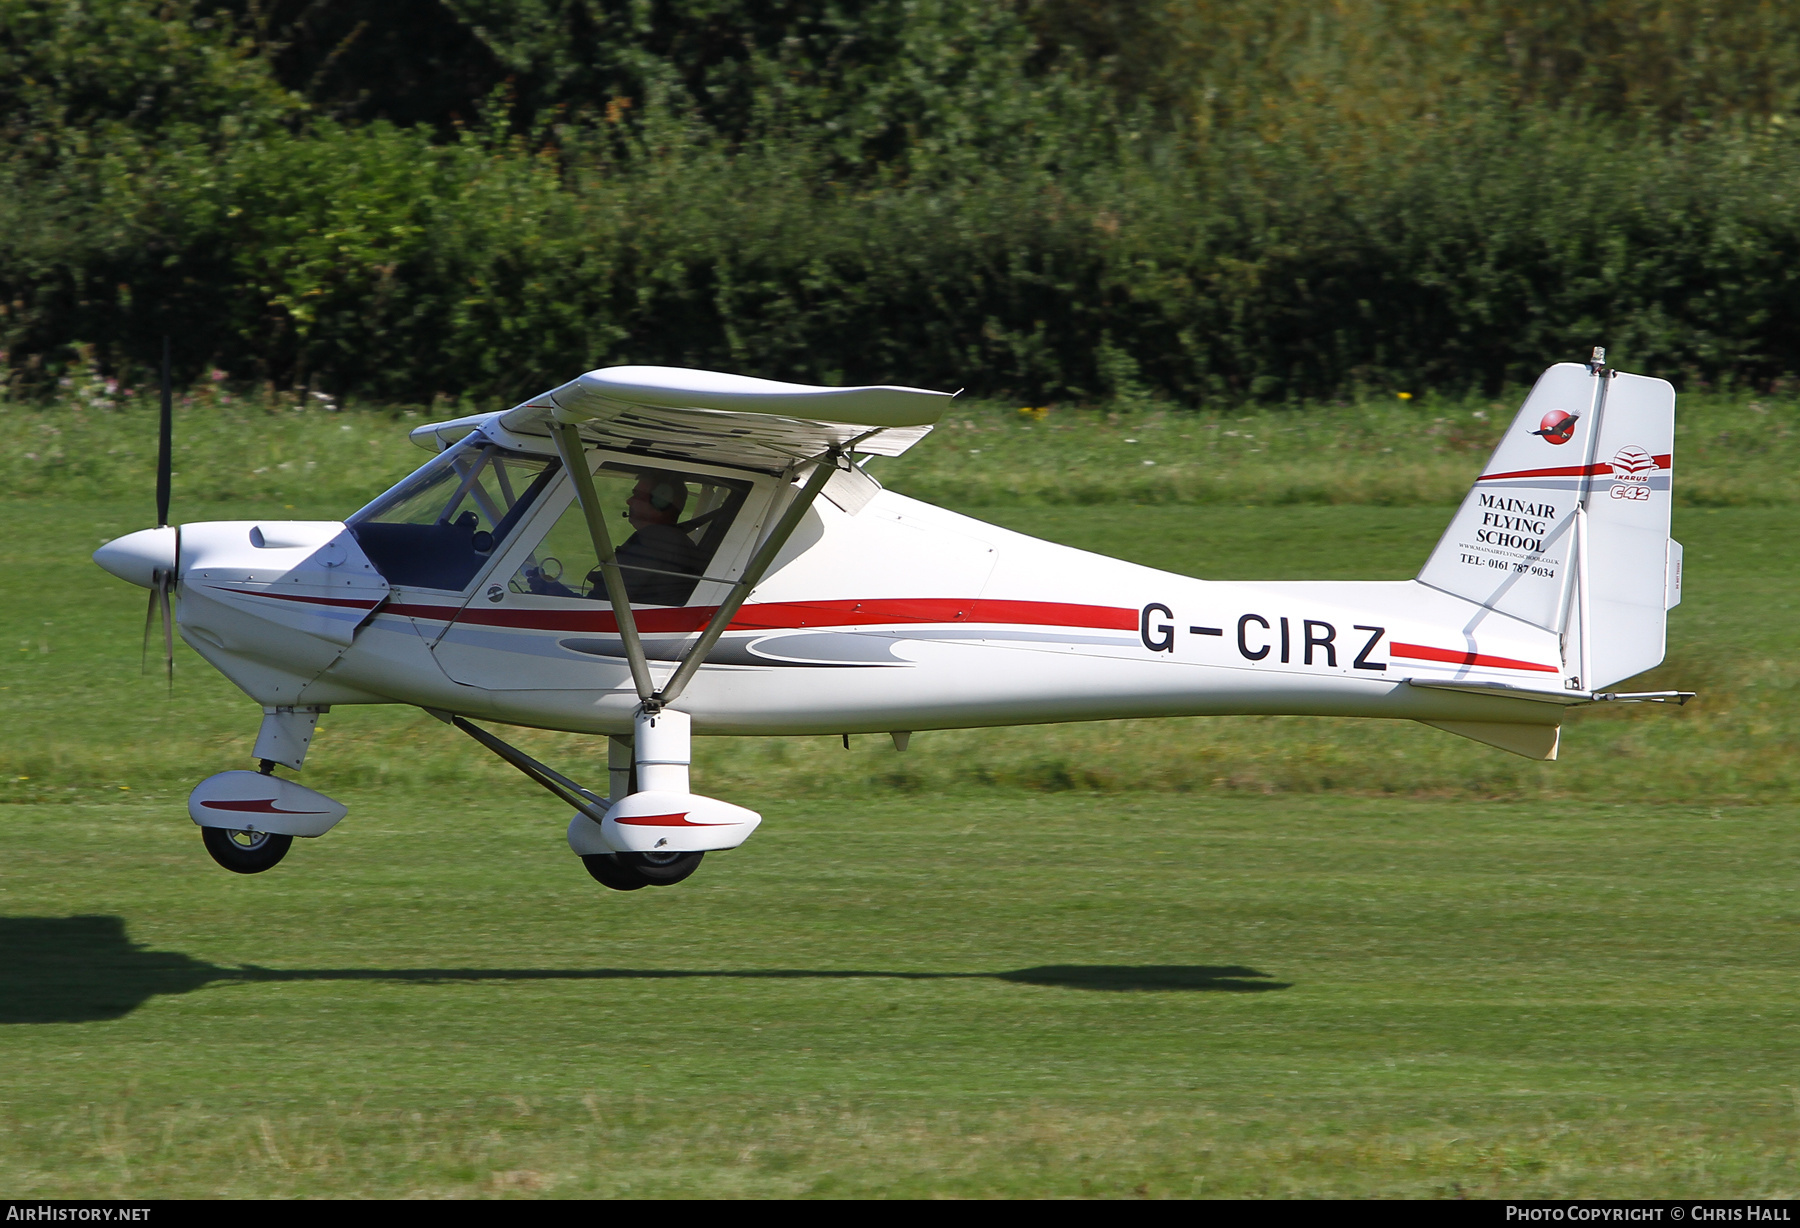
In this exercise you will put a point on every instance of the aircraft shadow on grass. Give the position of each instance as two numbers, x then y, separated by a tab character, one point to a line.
85	969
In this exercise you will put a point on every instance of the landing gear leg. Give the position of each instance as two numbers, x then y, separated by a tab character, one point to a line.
607	869
234	810
639	767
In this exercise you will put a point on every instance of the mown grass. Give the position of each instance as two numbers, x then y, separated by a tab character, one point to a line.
1382	451
976	996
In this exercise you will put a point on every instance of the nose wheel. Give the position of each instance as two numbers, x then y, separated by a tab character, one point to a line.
245	852
629	871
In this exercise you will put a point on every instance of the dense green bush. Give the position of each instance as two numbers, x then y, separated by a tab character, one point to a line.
904	190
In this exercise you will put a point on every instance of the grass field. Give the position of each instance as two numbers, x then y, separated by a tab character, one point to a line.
971	996
1252	957
1381	451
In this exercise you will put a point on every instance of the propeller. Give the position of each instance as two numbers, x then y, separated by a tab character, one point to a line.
162	581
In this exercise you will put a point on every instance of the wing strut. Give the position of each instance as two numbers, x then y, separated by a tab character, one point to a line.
574	456
823	468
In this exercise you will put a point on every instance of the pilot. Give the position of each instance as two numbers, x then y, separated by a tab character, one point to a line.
654	509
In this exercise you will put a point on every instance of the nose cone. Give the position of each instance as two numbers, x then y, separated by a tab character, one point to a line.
136	556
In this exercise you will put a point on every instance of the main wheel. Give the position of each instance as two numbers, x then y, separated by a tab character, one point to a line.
245	852
608	871
662	869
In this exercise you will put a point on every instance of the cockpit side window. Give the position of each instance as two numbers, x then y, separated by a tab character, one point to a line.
677	521
439	528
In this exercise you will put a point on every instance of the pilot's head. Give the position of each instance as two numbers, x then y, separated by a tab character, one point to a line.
657	499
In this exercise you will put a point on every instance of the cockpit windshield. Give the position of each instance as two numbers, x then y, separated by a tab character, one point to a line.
440	526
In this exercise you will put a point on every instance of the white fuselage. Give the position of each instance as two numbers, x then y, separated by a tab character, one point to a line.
901	616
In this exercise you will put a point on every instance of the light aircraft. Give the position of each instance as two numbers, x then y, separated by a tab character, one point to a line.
769	585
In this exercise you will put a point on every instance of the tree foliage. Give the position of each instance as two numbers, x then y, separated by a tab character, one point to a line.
421	199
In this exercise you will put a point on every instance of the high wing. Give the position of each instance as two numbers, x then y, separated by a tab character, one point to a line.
679	414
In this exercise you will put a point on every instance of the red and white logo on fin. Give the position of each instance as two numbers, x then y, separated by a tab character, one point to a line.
1558	426
1633	464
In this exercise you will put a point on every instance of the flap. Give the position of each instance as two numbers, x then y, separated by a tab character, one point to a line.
851	489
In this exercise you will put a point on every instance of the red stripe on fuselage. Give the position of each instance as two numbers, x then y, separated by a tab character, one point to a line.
1570	471
1453	656
790	615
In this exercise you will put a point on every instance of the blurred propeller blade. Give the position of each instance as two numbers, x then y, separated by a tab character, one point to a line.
165	440
172	578
167	581
160	608
149	621
162	580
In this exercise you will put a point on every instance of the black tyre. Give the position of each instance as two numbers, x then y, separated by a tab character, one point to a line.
662	869
609	872
245	852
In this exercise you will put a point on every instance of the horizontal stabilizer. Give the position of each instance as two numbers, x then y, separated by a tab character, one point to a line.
1567	699
1532	741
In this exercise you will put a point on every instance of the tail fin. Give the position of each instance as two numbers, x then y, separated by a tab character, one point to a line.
1567	527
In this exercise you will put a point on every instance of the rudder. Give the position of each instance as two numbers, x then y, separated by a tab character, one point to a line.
1630	559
